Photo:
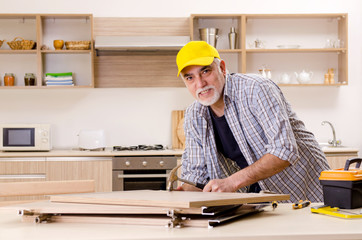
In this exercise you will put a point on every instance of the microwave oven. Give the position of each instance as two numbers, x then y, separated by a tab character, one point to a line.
25	137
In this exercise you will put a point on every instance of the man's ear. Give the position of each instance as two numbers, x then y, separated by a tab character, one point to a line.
223	67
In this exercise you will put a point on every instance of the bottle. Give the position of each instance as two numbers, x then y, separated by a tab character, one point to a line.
331	75
9	79
29	79
232	38
326	78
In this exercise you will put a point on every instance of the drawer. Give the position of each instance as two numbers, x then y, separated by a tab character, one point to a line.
19	166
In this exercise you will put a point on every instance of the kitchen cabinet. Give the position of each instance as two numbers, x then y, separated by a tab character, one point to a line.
338	160
82	168
22	169
43	58
283	44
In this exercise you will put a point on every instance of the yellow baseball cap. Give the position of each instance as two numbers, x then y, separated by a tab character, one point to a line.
196	53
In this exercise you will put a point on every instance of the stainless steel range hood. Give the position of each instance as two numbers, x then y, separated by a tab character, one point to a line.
140	43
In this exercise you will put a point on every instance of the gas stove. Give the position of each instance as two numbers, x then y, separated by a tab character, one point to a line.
138	147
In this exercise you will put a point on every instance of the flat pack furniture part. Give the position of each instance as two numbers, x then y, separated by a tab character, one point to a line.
176	220
173	199
47	207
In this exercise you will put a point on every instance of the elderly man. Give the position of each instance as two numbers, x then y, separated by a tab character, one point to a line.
241	133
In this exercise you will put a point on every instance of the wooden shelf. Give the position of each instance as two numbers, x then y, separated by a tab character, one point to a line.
282	50
18	51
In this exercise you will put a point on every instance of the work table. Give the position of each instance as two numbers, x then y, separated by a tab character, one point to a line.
282	223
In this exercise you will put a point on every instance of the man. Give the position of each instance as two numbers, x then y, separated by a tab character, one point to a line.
241	134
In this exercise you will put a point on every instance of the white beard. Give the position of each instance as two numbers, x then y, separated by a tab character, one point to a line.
210	101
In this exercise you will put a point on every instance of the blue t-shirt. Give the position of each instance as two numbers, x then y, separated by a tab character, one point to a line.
227	145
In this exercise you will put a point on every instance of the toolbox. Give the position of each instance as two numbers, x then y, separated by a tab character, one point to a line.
342	188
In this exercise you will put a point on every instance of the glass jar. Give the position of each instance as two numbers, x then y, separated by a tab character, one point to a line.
9	79
29	79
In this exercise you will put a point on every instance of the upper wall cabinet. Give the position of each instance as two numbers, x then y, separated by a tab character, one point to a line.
291	49
74	56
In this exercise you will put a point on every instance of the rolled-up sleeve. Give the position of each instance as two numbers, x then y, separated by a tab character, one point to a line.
271	111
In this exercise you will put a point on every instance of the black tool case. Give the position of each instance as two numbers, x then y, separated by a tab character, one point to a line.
342	188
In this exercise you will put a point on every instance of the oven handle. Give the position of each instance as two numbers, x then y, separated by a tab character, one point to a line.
142	175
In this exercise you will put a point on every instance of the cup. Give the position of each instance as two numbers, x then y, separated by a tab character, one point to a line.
58	44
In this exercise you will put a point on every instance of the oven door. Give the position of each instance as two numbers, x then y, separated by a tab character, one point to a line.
124	180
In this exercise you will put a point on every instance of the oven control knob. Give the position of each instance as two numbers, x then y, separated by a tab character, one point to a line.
162	163
128	163
144	163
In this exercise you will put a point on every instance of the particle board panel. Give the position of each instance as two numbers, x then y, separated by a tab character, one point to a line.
47	207
174	199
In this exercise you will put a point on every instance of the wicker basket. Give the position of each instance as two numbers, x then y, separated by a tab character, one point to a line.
22	44
77	45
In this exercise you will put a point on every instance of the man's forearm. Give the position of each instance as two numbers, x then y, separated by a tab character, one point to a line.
265	167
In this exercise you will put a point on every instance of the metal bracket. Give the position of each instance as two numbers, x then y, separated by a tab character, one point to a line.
176	219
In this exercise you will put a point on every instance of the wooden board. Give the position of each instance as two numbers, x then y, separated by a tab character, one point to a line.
47	207
175	199
178	135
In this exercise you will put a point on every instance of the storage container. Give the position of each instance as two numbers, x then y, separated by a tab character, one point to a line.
342	188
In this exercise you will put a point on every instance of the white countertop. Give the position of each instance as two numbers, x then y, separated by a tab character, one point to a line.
78	153
283	223
108	152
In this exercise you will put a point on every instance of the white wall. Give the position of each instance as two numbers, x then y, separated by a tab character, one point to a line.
143	115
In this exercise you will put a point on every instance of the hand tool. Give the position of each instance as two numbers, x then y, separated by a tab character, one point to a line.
337	212
173	177
301	204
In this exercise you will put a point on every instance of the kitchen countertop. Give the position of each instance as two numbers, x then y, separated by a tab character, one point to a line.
339	149
281	224
78	153
109	153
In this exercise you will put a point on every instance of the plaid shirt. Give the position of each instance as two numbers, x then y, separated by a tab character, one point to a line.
262	122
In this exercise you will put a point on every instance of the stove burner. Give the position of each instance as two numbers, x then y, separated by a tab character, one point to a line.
138	148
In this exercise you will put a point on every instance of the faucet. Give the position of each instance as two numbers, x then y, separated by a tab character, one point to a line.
333	142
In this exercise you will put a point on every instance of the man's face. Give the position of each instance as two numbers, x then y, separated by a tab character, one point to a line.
205	83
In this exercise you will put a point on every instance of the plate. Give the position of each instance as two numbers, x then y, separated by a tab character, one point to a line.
288	46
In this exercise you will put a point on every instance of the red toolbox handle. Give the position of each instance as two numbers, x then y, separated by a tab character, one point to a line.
351	161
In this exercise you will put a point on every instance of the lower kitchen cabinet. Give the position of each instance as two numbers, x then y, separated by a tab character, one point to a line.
81	168
19	169
338	160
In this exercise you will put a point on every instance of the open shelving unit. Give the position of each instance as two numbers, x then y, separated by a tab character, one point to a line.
43	29
291	43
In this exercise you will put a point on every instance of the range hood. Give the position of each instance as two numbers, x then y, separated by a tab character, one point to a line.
140	43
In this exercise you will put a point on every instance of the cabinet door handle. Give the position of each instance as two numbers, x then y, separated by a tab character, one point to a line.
23	176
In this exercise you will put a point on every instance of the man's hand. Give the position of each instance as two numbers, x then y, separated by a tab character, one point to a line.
220	185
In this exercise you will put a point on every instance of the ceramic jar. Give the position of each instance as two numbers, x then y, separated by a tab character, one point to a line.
9	79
